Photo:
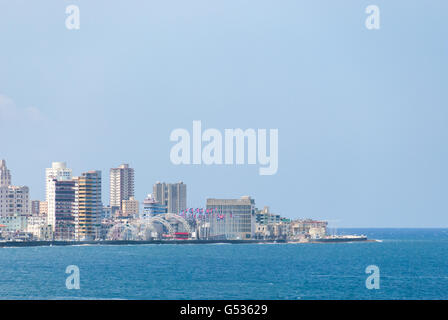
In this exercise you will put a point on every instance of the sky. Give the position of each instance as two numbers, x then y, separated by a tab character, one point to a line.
361	114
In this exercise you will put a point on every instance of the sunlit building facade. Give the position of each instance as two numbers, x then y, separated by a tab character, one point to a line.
121	185
88	205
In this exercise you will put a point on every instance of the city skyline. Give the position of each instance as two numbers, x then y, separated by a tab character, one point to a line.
361	114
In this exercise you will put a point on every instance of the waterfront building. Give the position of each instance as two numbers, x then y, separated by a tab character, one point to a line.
265	217
307	228
152	208
121	185
171	195
281	230
13	223
130	208
263	231
232	219
88	205
36	224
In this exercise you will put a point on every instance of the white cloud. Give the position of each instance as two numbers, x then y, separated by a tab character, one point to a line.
11	114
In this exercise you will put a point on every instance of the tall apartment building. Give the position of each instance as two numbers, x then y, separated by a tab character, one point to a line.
14	200
232	218
62	218
121	185
59	172
171	195
88	205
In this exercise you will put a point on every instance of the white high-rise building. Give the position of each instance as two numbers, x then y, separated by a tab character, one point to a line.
59	172
121	185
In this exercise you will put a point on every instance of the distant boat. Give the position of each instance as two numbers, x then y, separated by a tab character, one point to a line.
341	238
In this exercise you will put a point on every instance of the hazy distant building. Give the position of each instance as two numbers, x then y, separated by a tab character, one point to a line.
160	192
171	195
5	175
88	205
35	207
232	218
121	185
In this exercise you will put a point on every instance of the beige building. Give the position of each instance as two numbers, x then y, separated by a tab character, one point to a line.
307	228
88	205
130	208
43	208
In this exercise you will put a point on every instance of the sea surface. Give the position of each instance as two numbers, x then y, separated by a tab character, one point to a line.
413	264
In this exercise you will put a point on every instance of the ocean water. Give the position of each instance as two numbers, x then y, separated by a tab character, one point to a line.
413	264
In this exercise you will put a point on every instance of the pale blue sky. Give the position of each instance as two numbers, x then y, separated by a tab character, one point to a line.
362	115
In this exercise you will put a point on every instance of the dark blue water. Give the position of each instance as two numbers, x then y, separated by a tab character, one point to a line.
413	265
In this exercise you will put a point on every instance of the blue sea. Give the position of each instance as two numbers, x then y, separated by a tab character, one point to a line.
413	264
